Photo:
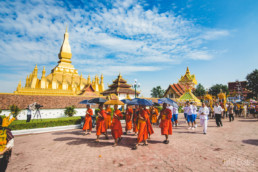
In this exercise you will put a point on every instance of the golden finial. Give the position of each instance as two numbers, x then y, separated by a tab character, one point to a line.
66	28
187	70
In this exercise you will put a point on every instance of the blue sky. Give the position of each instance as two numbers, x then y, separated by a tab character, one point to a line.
152	40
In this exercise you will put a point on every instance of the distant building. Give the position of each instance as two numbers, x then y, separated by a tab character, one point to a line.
176	90
238	88
121	89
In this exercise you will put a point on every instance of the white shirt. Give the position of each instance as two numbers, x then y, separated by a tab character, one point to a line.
218	110
185	109
190	110
171	108
204	112
175	110
194	110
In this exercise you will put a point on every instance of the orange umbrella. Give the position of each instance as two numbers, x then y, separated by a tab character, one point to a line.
114	102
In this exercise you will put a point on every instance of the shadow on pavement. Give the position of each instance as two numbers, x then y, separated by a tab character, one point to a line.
248	120
251	142
126	141
188	132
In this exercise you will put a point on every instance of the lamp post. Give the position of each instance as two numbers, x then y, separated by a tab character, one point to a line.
135	86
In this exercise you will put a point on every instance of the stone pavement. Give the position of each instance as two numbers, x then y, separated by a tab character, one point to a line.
232	147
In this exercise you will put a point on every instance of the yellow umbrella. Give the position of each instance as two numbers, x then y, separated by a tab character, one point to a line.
114	102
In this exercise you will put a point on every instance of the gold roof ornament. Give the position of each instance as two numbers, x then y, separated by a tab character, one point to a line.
188	79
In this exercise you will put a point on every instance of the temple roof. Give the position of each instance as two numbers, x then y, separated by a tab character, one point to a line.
119	86
188	96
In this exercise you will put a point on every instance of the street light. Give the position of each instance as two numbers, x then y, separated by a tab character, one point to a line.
135	86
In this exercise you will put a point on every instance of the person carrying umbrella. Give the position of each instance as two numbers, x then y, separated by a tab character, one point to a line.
116	127
100	124
165	124
108	118
88	121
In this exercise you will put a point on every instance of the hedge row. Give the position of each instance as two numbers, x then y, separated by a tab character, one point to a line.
22	124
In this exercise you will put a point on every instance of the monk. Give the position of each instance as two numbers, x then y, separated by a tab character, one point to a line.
154	115
166	124
100	124
116	127
108	119
135	120
149	126
128	118
143	128
88	121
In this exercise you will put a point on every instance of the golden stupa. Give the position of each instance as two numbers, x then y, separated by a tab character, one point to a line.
63	79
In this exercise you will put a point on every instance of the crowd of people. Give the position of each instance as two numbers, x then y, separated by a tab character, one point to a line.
140	120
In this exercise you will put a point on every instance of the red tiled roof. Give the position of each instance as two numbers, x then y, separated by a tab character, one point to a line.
177	88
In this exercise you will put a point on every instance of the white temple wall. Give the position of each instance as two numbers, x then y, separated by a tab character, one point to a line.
47	113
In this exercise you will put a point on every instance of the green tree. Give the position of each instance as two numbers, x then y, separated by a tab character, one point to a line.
252	82
199	91
70	111
157	92
15	110
215	89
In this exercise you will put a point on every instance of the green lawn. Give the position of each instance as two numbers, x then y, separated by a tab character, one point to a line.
22	124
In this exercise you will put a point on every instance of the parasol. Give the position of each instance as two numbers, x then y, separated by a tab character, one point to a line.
169	101
97	100
113	102
86	102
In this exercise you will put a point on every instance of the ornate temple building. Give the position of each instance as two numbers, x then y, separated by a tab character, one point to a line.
176	90
121	89
63	79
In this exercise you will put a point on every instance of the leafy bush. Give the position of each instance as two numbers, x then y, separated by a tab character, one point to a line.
70	111
0	110
22	124
96	111
15	110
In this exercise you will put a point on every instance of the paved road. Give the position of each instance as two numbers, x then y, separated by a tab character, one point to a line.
232	147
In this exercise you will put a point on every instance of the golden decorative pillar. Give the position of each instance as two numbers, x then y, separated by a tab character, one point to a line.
34	80
101	84
54	81
43	81
81	84
64	82
88	80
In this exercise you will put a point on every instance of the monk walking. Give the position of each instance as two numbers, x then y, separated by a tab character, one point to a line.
135	120
116	127
149	126
128	118
88	121
154	115
166	124
143	130
108	119
100	124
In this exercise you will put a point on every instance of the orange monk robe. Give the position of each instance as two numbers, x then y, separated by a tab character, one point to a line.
135	116
149	127
154	116
143	131
166	124
108	118
128	117
116	127
100	124
88	120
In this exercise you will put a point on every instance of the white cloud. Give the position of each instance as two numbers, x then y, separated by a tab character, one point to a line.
123	35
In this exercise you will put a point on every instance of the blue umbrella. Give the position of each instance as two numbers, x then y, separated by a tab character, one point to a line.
126	101
169	101
138	101
97	100
86	102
